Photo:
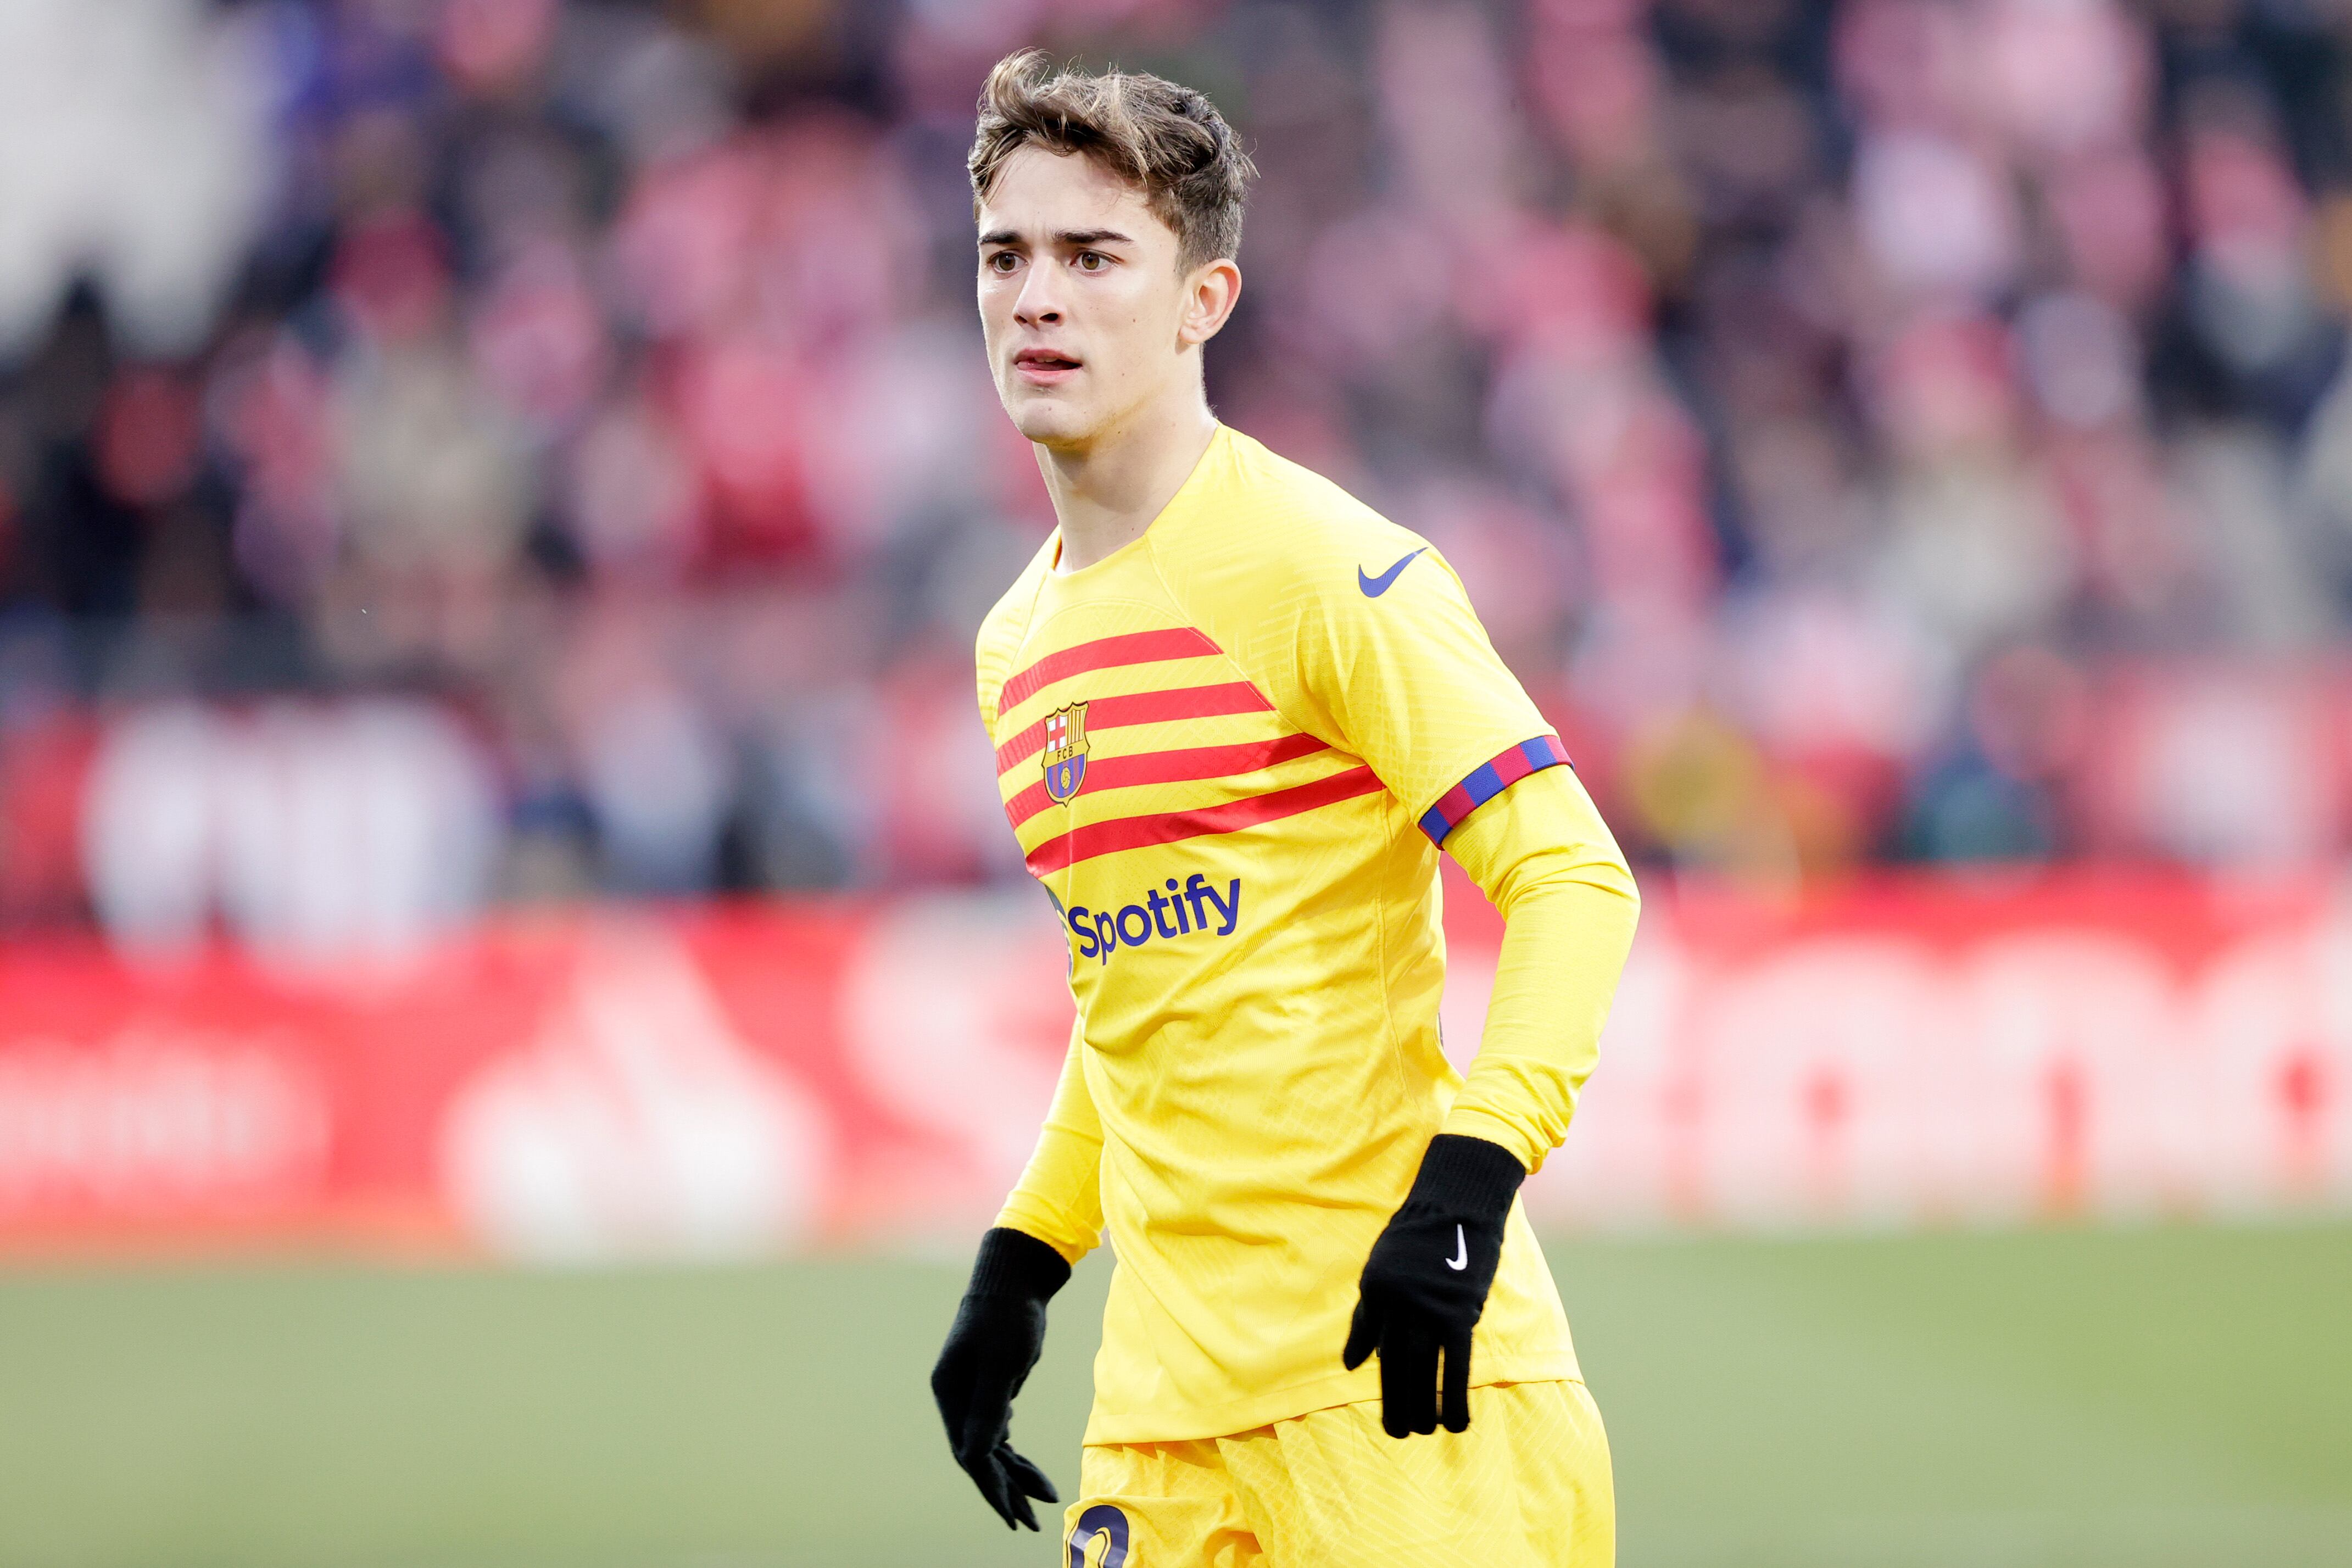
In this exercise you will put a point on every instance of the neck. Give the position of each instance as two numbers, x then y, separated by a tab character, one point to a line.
1106	491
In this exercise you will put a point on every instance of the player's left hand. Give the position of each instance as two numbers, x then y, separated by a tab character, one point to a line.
1425	1285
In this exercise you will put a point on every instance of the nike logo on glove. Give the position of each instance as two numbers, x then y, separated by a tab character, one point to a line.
1374	587
1461	1258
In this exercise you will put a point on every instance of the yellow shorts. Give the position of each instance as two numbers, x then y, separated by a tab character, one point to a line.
1528	1486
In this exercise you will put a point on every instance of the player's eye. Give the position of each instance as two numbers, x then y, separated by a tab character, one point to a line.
1002	261
1092	261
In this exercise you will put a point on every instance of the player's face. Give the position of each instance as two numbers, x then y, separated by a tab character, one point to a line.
1088	318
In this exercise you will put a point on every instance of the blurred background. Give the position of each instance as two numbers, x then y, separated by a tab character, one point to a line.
516	997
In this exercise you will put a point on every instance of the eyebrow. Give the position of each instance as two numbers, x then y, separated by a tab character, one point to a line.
1062	237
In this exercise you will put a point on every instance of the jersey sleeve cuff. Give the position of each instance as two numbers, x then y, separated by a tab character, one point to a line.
1015	1263
1467	1120
1488	780
1070	1242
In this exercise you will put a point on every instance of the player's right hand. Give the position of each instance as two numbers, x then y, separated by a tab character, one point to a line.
999	1331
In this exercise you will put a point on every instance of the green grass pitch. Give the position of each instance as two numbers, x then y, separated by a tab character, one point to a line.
2156	1397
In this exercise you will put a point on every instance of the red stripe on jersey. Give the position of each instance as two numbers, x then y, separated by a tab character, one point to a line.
1170	767
1168	827
1141	707
1103	653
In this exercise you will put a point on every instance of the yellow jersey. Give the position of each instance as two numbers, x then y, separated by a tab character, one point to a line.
1230	751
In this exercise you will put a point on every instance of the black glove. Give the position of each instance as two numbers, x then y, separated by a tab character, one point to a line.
1426	1284
998	1333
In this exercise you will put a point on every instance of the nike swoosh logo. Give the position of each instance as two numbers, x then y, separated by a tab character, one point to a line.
1374	587
1461	1258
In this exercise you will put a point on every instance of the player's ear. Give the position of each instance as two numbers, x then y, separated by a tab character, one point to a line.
1211	291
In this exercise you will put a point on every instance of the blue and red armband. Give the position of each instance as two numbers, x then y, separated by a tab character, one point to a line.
1488	780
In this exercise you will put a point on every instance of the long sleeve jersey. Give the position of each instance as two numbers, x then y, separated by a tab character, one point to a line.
1232	752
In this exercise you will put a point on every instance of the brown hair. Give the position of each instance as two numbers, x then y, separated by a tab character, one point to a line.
1166	139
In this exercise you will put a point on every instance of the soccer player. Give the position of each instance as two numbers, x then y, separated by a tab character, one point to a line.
1237	714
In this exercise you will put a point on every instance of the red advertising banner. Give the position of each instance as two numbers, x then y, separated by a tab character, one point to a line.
749	1078
1920	1053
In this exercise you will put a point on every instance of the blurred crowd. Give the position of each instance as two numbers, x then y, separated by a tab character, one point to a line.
553	437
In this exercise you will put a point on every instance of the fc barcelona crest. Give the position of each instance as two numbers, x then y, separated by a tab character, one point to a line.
1066	751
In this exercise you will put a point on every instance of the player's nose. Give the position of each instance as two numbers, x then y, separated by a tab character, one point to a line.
1040	301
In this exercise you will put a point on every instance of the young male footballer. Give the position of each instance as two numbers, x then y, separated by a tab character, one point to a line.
1237	714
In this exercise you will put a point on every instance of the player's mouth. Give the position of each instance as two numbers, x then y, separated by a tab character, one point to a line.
1045	366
